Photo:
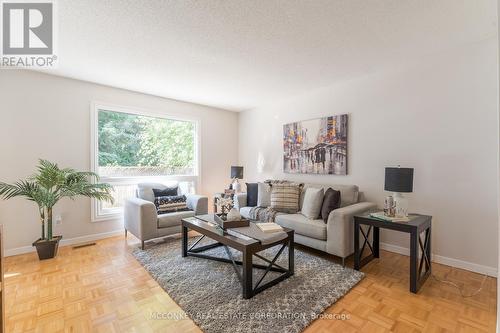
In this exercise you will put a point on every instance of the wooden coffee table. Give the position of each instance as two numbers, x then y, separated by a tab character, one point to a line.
247	246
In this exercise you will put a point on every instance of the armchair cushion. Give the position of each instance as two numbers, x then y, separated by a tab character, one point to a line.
167	192
145	190
173	219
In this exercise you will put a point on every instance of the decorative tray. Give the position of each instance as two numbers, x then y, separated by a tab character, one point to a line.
221	220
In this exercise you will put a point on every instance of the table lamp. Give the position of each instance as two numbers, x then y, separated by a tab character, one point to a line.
399	180
236	174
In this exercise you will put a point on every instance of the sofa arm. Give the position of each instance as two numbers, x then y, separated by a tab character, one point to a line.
140	218
198	203
240	200
340	228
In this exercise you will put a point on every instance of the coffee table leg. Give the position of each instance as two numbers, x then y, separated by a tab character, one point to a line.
247	282
184	241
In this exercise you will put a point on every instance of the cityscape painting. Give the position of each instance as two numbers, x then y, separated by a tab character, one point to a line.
316	146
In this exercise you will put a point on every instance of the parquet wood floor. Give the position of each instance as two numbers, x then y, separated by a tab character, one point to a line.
103	288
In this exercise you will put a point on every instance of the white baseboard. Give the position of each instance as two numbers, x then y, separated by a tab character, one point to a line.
64	242
469	266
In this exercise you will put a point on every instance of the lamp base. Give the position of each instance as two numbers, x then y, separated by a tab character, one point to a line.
401	204
236	186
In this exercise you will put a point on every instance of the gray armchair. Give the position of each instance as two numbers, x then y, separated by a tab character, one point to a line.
142	220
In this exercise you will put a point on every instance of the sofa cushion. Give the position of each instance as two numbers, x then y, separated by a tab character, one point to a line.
245	212
145	190
264	195
348	193
313	200
302	225
252	194
173	219
330	202
285	197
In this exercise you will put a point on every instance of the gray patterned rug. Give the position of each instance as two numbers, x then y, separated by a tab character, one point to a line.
210	293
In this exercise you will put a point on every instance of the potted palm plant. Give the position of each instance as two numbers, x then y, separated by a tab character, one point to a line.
45	188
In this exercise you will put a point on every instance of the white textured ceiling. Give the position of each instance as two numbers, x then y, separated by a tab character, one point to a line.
241	54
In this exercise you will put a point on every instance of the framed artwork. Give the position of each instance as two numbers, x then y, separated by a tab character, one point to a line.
317	146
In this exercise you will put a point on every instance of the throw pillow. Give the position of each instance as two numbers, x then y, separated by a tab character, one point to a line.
331	202
313	201
285	197
252	194
169	191
170	204
263	195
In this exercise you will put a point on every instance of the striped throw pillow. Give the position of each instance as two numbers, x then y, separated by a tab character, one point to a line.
170	204
285	197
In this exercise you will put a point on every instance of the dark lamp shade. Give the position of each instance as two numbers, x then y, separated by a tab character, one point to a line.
399	179
237	172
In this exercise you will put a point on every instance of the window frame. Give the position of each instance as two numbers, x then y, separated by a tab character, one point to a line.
97	212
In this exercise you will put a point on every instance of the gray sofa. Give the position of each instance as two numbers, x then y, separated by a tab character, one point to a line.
142	220
336	236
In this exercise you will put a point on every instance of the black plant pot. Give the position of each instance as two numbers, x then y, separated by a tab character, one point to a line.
47	249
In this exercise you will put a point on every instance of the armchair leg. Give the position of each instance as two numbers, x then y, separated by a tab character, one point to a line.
343	262
125	233
142	245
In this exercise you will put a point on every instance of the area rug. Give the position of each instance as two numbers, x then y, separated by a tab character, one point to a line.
210	293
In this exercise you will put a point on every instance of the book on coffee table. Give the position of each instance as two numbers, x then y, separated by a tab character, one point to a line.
269	227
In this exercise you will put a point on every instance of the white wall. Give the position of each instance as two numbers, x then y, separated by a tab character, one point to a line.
437	115
45	116
498	160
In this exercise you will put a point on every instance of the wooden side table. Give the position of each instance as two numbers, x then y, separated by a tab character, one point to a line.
417	225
